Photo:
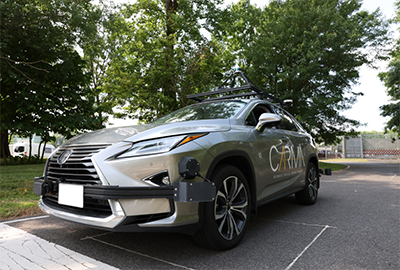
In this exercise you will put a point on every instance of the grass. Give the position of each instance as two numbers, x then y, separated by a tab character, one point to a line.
333	166
16	190
346	160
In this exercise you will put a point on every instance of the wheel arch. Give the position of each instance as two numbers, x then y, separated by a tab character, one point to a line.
314	159
242	161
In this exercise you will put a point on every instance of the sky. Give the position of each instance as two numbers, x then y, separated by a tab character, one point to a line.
366	109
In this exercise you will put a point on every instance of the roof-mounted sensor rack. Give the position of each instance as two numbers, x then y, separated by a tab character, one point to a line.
222	89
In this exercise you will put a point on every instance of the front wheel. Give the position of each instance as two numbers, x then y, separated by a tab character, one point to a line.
309	194
226	219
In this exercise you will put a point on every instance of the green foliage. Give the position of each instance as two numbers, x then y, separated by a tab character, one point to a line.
11	161
142	59
391	78
43	81
161	56
98	47
378	135
309	51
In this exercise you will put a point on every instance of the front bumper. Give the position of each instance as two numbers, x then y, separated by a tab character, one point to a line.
108	222
106	206
180	192
131	208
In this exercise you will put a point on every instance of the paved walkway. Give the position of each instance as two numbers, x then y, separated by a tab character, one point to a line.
21	250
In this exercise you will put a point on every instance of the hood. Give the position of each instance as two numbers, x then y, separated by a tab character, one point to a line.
149	131
108	135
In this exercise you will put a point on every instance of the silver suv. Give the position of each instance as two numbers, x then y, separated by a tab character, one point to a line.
202	170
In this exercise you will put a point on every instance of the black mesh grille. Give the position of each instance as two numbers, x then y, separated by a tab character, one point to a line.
77	169
92	207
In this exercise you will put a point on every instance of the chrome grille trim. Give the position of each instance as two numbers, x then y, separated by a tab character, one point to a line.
79	168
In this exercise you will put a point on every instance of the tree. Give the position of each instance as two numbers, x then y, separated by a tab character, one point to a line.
391	78
98	52
162	55
392	82
309	51
43	81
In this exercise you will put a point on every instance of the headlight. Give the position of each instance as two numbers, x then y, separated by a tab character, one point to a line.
157	146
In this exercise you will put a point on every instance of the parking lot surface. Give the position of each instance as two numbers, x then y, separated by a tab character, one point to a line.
355	224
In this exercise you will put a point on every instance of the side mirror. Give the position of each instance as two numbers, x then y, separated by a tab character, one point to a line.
268	120
287	103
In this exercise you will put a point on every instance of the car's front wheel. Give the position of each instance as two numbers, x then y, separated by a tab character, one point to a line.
226	219
309	194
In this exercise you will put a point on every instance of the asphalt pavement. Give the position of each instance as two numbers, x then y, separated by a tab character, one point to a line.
355	224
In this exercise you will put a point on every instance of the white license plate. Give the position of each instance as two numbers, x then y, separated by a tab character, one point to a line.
71	195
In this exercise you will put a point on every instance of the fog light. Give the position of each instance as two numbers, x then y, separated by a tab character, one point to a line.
158	179
166	181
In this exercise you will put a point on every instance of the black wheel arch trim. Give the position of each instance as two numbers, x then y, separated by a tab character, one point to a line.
252	182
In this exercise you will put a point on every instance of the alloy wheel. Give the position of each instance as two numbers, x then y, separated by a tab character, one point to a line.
231	205
312	183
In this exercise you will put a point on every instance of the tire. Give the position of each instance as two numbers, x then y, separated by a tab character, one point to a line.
309	194
225	220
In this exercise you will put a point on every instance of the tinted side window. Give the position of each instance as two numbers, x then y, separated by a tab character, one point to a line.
287	121
251	120
253	117
19	149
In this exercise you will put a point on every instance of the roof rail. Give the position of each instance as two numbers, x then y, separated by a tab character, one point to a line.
254	90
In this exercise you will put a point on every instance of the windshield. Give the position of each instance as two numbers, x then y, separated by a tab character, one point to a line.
202	111
19	149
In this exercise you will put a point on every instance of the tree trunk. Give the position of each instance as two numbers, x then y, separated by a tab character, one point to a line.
38	156
4	149
44	149
9	141
30	148
171	7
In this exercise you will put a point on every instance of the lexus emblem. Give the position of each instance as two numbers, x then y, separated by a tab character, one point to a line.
62	158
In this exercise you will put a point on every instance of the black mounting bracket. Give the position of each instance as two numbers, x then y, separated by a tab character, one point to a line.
189	168
255	90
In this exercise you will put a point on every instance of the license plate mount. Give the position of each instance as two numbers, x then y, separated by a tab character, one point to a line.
71	195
